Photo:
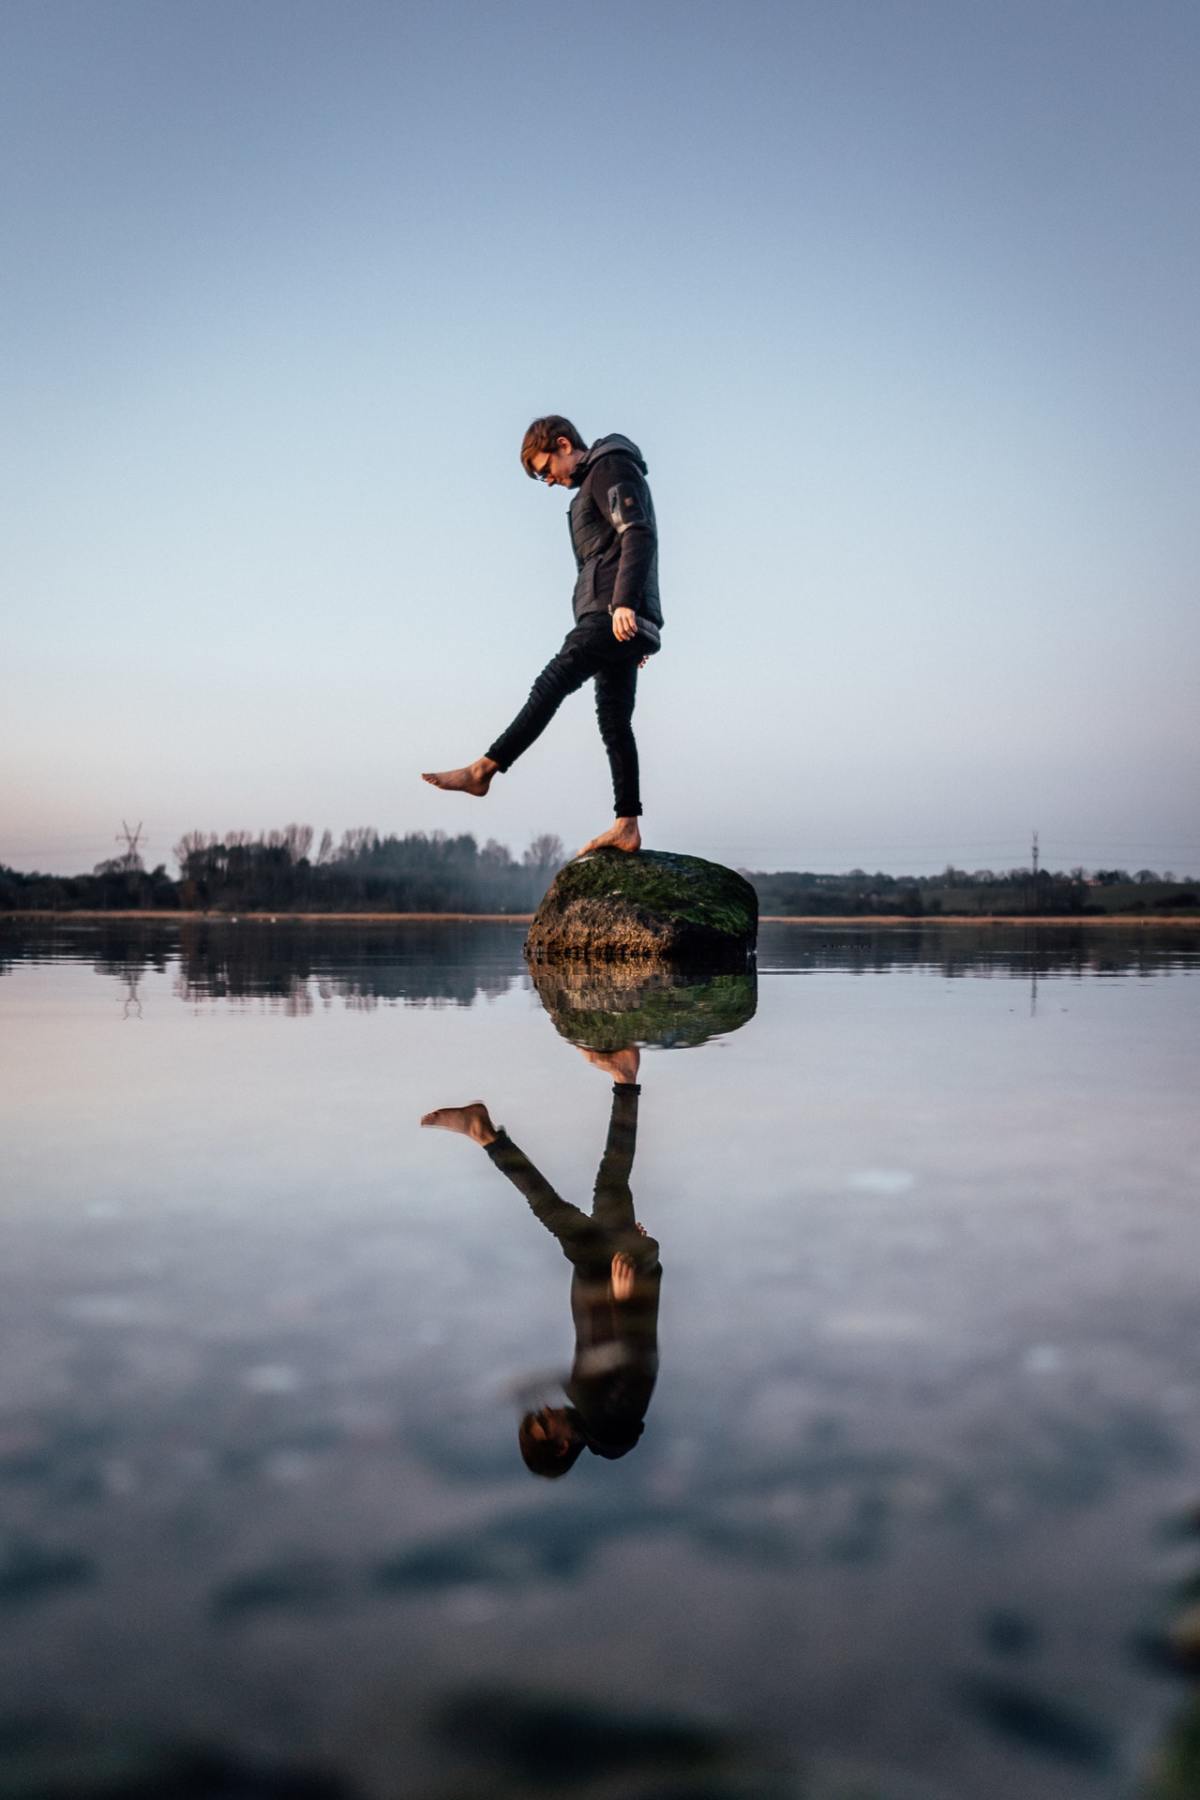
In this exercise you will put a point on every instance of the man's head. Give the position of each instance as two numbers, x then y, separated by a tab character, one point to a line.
550	1440
551	450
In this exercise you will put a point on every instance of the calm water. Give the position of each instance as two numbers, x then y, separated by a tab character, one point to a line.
907	1513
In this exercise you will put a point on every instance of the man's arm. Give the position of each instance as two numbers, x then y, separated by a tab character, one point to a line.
624	498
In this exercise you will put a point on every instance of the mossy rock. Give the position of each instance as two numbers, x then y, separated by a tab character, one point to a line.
655	906
608	1006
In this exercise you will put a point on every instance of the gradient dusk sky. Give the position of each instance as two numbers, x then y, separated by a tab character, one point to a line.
899	298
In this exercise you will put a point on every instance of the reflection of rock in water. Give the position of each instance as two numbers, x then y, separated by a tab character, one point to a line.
605	1006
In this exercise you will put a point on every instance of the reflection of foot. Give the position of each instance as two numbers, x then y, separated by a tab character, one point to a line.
624	835
469	1121
622	1065
475	778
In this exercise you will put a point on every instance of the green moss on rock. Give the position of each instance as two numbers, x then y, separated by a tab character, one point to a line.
657	905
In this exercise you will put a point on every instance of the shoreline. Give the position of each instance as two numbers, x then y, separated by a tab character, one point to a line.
153	916
161	916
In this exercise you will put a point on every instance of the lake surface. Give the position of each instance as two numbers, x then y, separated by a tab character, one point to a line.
909	1513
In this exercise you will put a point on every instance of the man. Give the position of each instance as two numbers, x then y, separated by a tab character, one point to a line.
618	617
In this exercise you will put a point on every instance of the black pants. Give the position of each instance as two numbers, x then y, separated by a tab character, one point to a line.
588	1239
589	650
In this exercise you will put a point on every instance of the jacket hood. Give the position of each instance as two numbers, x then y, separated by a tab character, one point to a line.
613	1448
606	446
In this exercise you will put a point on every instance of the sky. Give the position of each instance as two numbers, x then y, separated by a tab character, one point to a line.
898	297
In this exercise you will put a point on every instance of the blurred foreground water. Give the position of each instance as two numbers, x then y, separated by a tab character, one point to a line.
889	1481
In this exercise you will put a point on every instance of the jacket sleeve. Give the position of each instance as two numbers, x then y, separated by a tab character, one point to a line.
623	497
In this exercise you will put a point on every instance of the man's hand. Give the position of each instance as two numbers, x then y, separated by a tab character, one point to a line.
623	1271
624	623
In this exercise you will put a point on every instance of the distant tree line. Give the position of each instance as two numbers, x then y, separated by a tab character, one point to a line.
364	872
1076	892
279	871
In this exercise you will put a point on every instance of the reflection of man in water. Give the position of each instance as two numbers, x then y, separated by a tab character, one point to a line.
614	1287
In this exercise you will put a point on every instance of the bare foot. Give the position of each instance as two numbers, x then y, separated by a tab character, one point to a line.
475	778
622	1065
469	1121
624	835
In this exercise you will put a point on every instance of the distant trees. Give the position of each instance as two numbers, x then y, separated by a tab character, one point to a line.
113	886
366	872
278	871
984	891
545	852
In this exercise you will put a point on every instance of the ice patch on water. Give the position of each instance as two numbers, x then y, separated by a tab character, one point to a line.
876	1325
472	1604
109	1309
881	1181
271	1378
290	1466
119	1477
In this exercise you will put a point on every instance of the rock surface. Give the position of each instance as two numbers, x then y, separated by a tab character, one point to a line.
655	906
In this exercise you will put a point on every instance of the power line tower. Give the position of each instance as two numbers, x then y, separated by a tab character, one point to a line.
131	859
1033	989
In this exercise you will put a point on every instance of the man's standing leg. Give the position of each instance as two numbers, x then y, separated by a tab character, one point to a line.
612	1198
616	692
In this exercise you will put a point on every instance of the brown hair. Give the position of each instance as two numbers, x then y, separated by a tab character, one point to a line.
546	1456
544	434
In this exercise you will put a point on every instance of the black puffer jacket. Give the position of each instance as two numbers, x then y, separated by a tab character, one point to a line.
614	536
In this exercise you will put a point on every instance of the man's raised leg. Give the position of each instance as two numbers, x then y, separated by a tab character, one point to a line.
574	1230
562	675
